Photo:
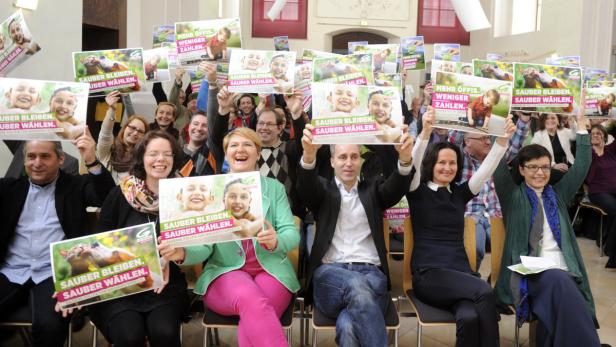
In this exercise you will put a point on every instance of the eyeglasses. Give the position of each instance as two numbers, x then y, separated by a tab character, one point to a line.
133	129
481	139
535	168
267	125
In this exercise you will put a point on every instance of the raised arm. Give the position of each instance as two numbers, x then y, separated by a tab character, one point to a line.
489	164
309	188
393	189
421	144
105	136
573	179
174	94
517	140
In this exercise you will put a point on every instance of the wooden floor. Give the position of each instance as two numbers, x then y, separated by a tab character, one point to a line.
603	284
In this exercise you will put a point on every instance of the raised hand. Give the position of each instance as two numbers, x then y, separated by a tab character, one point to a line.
267	237
295	103
86	146
405	148
225	101
310	149
209	70
112	99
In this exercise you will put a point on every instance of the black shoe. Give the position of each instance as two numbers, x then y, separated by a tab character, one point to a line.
611	263
605	345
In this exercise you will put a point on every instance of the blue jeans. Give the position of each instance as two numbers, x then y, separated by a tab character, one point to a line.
482	230
357	297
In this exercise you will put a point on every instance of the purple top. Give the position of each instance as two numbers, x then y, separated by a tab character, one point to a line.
601	177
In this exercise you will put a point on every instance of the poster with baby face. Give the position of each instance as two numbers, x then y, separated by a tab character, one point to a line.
16	43
496	70
471	104
261	72
303	82
210	209
395	216
347	113
447	51
601	100
106	266
346	69
206	40
451	67
109	70
546	88
413	57
46	110
385	57
156	64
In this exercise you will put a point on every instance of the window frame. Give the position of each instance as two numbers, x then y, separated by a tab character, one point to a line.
264	27
438	34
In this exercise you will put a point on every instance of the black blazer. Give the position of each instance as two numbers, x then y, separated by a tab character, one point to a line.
73	194
323	198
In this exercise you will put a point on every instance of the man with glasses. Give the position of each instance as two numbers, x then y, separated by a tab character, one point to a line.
485	205
538	225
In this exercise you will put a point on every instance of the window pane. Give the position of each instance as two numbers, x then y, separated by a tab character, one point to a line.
448	19
431	4
266	7
290	11
446	5
430	18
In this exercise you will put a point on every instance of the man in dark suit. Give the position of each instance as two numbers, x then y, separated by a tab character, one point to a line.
45	206
348	276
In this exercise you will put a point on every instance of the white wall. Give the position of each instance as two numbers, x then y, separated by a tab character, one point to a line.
57	29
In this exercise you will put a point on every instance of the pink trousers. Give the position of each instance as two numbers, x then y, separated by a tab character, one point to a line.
257	297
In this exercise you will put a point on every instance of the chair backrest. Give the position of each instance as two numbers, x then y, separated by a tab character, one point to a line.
387	233
469	246
497	243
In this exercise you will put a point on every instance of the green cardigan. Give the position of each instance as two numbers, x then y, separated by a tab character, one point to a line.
227	256
516	213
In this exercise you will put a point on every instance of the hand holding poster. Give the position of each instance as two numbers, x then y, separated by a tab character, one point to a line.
16	42
496	70
600	101
470	103
413	53
49	110
281	43
106	266
210	209
114	69
447	51
546	88
206	40
156	64
343	113
346	69
261	72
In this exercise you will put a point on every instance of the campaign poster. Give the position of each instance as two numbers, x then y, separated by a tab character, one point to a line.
210	209
163	34
172	54
388	80
447	51
46	110
156	64
495	57
222	73
261	72
109	70
303	82
106	266
347	113
353	44
308	55
16	43
413	57
398	211
546	88
496	70
206	40
470	103
347	69
600	101
196	78
385	57
281	43
450	66
569	60
594	77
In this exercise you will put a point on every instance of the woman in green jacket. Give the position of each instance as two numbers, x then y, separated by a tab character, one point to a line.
251	278
538	224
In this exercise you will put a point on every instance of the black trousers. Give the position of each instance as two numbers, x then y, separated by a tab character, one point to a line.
607	201
468	297
48	326
161	326
564	319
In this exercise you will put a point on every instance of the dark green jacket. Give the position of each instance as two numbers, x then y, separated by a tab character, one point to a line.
516	213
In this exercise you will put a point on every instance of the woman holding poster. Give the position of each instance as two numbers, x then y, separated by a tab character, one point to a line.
442	276
154	314
252	278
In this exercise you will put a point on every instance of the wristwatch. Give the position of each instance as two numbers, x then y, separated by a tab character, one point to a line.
404	163
93	164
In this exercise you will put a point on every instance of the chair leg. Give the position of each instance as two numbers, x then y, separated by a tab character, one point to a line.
216	339
314	338
576	214
396	332
69	340
181	334
94	335
206	332
517	334
418	334
290	336
601	236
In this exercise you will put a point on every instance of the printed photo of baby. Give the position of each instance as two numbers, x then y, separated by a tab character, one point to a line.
237	198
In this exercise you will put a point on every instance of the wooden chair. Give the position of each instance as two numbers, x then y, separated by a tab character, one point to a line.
394	247
585	203
427	315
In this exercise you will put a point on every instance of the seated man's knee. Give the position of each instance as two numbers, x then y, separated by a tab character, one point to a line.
51	327
467	318
358	288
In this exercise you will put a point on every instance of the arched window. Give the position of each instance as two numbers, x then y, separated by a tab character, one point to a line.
340	41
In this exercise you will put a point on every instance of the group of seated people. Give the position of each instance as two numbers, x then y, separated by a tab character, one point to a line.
444	176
